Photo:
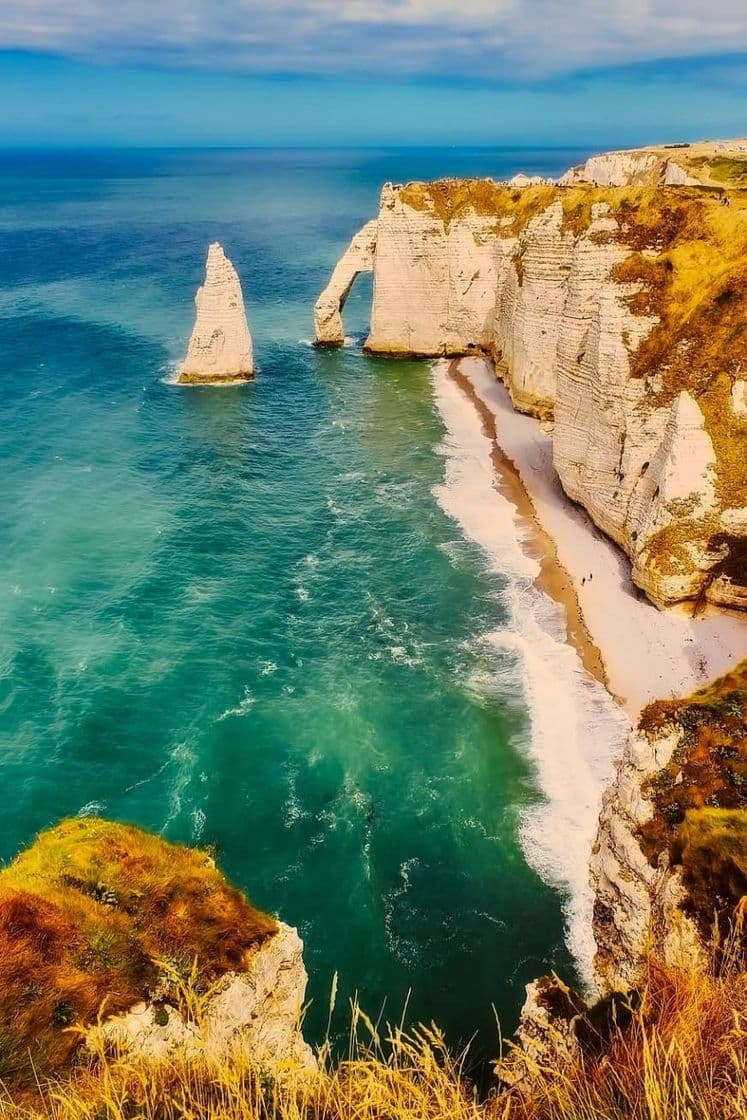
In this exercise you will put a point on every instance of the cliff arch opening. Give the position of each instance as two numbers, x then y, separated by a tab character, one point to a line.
356	308
357	259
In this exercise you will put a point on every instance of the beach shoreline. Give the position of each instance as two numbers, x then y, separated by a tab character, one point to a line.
639	652
553	578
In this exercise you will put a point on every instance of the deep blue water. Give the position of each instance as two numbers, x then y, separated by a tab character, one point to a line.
240	616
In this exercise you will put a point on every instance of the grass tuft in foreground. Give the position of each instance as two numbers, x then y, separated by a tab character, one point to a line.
681	1056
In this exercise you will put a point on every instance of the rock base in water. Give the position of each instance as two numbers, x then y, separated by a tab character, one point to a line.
220	349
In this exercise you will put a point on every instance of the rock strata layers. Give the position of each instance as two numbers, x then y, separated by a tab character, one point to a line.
220	348
256	1011
637	905
565	288
434	280
670	858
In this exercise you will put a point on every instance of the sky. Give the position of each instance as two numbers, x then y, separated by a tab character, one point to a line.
370	72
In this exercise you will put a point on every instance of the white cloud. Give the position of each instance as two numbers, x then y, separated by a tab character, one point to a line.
481	38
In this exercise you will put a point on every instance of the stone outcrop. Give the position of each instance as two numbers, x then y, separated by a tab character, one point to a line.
220	348
257	1011
358	257
545	1036
669	862
152	936
552	283
637	905
434	280
663	842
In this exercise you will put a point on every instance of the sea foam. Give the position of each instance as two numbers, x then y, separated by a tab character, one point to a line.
575	728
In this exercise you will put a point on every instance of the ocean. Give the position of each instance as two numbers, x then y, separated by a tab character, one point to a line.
251	618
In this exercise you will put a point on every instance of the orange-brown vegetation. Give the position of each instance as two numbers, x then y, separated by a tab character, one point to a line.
678	1053
700	797
97	915
449	199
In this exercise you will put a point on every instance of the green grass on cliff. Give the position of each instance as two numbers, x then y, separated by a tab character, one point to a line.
96	916
729	170
711	848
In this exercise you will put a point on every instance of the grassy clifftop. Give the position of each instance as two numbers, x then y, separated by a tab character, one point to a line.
98	916
700	797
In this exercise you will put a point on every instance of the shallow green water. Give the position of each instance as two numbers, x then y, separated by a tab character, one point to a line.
240	616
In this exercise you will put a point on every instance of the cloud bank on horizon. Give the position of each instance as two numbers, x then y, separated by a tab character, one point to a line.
488	39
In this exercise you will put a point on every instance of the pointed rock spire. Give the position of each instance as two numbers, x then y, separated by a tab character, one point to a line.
220	349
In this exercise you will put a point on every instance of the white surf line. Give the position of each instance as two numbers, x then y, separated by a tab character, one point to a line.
649	654
576	729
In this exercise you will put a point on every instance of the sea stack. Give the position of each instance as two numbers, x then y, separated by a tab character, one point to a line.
220	349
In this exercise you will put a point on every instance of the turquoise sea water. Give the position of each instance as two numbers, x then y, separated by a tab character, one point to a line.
240	617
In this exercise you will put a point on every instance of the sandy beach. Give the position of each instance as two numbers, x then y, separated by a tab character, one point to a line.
640	652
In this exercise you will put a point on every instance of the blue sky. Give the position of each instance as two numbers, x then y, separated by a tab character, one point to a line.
353	71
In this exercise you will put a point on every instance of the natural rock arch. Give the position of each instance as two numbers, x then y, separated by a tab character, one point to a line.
358	257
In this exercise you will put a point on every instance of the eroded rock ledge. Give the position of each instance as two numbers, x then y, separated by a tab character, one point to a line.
668	869
614	313
108	933
670	857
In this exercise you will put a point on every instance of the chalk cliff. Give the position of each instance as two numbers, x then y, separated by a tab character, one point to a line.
613	312
671	849
257	1010
669	865
359	257
220	348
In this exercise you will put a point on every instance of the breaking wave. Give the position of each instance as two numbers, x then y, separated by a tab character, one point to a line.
575	728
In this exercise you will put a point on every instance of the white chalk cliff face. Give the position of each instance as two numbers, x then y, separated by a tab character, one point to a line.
434	280
257	1011
510	271
637	906
220	348
529	310
613	169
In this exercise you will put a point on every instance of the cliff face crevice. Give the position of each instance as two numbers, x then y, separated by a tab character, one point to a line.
670	857
594	302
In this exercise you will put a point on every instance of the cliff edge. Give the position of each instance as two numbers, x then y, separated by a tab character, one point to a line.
617	314
669	865
107	929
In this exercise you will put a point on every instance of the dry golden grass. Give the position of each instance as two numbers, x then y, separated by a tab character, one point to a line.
449	199
85	915
682	1056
